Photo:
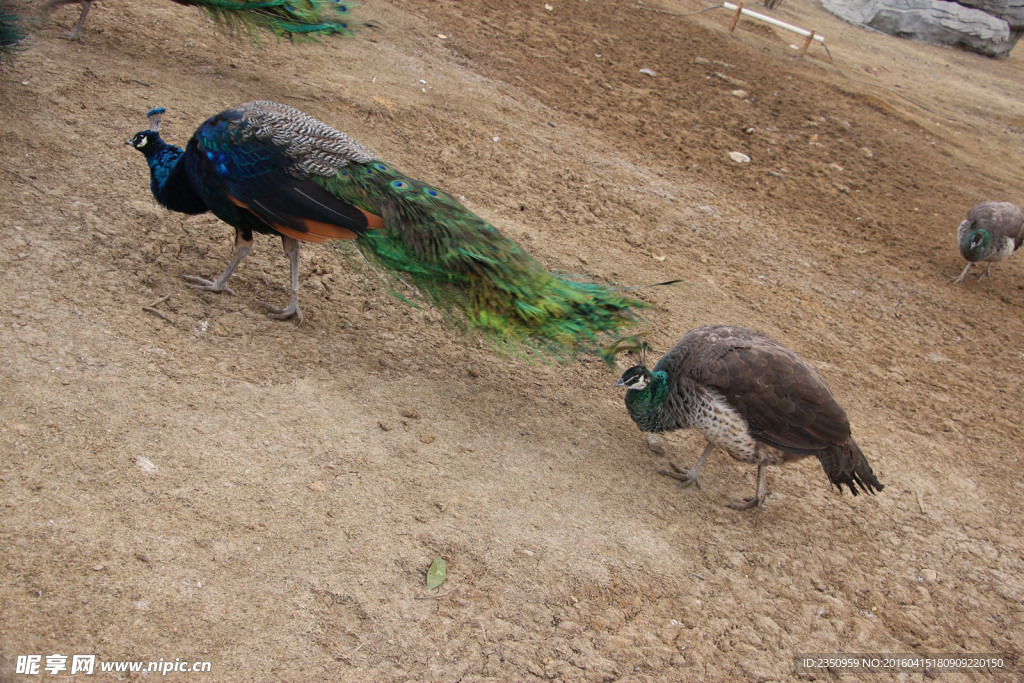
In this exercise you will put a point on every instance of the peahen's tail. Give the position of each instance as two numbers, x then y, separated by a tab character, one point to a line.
466	267
294	19
847	465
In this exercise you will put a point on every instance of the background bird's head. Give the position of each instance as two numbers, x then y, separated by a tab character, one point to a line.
974	246
636	378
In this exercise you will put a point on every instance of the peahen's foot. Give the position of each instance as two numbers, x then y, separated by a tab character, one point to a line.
208	285
760	493
688	477
289	311
747	503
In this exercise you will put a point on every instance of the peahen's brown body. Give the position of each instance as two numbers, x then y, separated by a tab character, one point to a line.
752	397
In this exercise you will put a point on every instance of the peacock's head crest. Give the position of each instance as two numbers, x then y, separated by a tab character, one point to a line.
154	116
975	245
633	344
637	378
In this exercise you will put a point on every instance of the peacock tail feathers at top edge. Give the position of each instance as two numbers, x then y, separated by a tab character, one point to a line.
294	19
470	271
12	31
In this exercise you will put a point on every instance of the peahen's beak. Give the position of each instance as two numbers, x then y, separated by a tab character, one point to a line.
620	383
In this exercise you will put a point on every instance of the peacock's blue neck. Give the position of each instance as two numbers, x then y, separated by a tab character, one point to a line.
645	405
168	179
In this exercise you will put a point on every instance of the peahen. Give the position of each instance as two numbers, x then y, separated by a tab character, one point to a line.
991	232
751	396
269	168
295	19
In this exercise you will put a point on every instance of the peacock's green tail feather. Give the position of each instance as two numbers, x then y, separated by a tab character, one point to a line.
12	32
294	19
467	268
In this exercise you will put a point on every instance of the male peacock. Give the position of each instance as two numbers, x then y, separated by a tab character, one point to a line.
992	231
751	396
269	168
295	19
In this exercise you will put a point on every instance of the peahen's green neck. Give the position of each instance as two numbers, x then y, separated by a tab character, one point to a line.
646	404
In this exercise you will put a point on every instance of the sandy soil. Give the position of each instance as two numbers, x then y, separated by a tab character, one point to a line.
212	485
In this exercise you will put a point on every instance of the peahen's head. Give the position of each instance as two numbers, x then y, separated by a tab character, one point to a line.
975	245
636	378
149	141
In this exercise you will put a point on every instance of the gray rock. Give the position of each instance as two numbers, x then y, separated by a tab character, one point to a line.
1010	10
936	21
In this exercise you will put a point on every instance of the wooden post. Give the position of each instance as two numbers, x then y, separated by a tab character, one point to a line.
736	18
807	44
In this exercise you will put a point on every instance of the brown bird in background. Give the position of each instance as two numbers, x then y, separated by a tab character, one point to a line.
991	232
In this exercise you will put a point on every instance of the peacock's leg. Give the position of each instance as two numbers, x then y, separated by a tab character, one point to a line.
691	476
963	274
242	247
762	492
291	248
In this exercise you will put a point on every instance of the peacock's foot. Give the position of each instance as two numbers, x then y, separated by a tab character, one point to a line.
686	476
208	285
289	311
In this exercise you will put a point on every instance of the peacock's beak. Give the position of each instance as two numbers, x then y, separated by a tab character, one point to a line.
128	141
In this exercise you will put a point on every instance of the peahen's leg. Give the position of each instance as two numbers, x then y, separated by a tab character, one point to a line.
967	269
691	476
291	248
985	274
86	6
762	492
242	247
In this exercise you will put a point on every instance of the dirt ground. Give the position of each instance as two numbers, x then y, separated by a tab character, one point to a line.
208	484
